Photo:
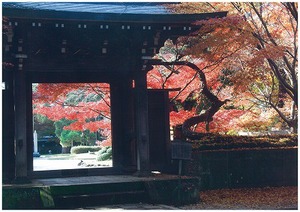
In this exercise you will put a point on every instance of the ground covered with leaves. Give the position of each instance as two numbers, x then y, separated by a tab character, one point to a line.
269	198
217	142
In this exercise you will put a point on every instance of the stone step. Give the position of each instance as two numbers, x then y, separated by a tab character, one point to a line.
96	199
80	192
73	196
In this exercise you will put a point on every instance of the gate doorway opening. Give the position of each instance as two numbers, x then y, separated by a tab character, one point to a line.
71	126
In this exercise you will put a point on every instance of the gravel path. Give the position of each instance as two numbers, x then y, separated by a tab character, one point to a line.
68	161
269	198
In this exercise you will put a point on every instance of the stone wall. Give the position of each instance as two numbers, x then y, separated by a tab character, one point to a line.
244	168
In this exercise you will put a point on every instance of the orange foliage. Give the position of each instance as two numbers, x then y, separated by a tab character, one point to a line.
244	42
161	78
259	42
223	121
54	100
177	118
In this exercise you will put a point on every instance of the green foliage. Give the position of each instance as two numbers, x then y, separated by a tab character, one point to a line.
59	125
92	97
74	97
109	150
21	198
217	142
88	138
80	95
43	125
104	154
68	136
84	149
103	150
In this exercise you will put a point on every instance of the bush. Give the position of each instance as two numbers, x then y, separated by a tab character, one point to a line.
104	154
109	150
84	149
103	150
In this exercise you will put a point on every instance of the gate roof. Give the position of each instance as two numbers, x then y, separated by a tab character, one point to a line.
100	11
112	38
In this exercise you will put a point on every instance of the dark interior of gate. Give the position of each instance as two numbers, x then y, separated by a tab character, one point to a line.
86	43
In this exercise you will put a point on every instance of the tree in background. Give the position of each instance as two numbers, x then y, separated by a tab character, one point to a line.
257	43
248	57
68	138
79	110
43	125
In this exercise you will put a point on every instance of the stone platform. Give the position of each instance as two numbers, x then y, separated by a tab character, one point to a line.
77	192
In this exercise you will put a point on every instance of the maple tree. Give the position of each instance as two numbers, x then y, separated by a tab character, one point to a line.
248	57
84	106
257	42
215	102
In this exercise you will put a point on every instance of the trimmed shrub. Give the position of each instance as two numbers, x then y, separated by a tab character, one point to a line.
84	149
104	156
101	151
109	150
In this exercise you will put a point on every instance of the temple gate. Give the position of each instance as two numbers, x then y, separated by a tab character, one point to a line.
53	42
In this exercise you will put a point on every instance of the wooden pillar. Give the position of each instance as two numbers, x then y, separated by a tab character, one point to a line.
122	114
116	125
8	128
20	95
142	124
159	130
128	130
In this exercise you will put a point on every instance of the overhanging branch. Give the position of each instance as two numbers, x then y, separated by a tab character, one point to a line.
206	117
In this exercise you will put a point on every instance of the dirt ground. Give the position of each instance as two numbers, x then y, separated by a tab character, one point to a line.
269	198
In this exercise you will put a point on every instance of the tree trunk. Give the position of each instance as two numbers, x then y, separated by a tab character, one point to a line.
208	115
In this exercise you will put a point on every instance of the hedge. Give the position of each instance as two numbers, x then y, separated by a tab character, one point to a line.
84	149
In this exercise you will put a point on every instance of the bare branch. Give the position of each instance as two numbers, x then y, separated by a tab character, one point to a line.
292	8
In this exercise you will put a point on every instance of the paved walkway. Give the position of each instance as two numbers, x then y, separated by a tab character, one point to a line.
138	206
68	161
